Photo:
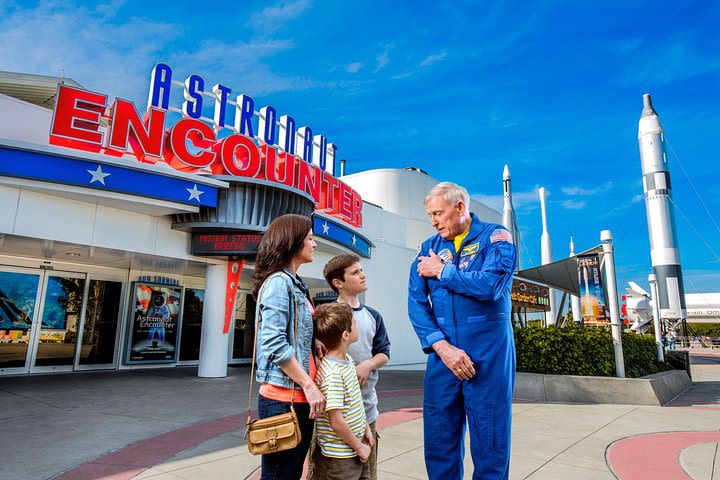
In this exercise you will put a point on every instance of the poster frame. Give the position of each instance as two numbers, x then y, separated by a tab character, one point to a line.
131	324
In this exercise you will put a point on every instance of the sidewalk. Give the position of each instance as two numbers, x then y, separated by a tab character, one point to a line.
168	424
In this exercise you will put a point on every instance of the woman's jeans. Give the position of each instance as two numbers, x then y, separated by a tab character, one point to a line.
288	464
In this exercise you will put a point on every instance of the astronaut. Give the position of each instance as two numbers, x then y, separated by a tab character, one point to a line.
459	305
157	310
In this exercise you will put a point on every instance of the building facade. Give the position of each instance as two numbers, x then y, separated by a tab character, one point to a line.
108	262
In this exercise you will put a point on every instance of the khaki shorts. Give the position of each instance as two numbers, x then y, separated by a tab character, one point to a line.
371	463
329	468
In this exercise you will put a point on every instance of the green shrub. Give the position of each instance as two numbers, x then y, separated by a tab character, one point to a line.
583	351
704	329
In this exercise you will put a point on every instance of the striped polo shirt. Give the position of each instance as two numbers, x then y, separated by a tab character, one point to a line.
338	381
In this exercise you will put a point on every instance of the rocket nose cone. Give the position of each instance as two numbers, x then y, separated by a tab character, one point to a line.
506	173
647	106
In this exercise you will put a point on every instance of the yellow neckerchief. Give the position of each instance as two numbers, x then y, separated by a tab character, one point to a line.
459	239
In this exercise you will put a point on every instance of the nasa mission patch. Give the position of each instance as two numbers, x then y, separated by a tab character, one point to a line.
465	261
445	255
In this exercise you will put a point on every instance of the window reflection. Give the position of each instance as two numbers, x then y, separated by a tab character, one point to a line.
100	328
17	304
60	321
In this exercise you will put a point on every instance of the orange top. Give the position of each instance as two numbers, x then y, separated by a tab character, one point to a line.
273	392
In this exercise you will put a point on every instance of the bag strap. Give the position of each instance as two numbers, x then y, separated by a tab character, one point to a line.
252	368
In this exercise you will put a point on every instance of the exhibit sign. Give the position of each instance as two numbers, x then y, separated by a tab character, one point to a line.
592	290
153	333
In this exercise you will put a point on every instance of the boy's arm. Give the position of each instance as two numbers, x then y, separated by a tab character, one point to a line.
380	349
340	426
364	368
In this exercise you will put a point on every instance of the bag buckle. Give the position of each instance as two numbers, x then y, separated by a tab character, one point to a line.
273	443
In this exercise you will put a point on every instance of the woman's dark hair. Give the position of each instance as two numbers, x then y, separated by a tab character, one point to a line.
282	240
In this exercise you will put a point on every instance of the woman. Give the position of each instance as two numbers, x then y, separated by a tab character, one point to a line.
281	360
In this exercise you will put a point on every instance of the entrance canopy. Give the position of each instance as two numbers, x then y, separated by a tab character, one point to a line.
562	275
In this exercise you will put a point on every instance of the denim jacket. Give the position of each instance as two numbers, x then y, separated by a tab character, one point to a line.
275	313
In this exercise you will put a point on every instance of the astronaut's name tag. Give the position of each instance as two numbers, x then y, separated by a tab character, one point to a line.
500	235
470	249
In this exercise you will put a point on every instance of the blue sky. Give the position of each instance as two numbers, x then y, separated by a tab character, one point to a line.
457	88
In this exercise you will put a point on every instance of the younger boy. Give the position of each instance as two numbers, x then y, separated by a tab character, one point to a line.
371	352
342	429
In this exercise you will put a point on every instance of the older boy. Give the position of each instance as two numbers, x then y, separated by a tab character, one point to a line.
371	352
343	435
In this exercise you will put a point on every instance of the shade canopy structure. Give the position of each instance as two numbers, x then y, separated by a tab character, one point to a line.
562	275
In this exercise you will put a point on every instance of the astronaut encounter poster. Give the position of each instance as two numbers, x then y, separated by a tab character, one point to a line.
155	319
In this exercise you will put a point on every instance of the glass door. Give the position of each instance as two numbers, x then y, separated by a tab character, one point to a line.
59	321
98	340
18	309
191	325
243	331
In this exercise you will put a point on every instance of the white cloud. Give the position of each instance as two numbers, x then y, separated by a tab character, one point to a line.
383	59
114	55
573	204
402	75
578	190
430	59
521	200
272	18
353	67
100	54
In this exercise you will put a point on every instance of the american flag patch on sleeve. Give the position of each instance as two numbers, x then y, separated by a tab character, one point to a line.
500	235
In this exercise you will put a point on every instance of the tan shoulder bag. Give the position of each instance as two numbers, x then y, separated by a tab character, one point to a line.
279	432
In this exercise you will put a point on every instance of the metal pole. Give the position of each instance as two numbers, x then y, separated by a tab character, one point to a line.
656	316
609	259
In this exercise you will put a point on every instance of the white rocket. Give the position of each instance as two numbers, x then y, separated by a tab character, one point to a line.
664	248
508	220
546	252
575	301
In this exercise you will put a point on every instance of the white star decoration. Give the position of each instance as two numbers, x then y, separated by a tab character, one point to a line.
98	175
194	193
326	228
354	240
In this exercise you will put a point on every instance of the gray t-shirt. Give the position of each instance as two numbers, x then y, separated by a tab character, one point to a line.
372	339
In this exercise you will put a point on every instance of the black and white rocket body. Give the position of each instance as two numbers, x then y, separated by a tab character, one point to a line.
664	248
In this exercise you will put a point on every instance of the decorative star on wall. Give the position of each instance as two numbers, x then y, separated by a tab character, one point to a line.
194	193
326	228
98	175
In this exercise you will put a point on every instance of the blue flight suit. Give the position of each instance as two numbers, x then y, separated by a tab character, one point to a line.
470	308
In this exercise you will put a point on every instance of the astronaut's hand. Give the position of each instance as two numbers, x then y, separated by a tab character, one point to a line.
455	359
430	267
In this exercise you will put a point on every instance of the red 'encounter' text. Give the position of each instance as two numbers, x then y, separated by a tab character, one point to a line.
76	124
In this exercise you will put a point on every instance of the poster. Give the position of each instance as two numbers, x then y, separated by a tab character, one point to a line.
154	323
592	290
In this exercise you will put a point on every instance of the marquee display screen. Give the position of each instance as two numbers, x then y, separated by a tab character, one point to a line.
224	243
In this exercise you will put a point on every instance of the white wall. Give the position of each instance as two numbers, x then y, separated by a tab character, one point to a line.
31	214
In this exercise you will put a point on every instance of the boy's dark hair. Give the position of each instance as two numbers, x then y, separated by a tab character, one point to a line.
335	268
331	320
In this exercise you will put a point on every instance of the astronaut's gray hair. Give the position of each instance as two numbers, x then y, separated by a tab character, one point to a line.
451	192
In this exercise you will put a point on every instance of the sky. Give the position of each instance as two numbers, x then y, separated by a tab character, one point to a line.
457	88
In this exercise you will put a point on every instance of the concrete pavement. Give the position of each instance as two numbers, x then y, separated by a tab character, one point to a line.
167	424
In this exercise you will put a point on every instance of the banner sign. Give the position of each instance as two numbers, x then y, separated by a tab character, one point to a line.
224	243
530	295
261	145
154	323
592	290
